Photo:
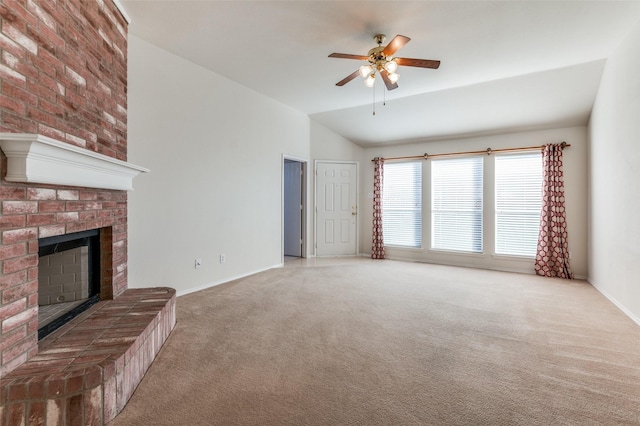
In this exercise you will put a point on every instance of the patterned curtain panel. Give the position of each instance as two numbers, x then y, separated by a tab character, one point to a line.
552	257
377	245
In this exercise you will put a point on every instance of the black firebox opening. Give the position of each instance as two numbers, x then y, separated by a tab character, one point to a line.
62	243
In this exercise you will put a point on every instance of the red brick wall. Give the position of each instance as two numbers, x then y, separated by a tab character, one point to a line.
63	74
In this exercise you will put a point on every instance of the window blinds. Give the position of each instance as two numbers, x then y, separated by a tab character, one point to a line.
456	204
518	203
402	204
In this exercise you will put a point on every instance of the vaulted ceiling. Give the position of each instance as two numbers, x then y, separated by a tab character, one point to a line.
506	65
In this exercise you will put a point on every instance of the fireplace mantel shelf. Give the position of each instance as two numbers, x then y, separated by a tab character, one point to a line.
34	158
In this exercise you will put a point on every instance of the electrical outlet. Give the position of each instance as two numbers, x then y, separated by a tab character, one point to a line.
223	258
198	263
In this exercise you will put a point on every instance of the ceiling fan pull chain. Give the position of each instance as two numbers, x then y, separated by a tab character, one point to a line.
374	97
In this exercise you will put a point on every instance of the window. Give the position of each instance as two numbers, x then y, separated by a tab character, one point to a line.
518	203
402	204
456	204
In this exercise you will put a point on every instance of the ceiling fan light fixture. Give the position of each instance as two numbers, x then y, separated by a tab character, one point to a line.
391	66
365	70
370	81
393	77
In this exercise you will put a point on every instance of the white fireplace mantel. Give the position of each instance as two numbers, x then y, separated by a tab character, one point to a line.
34	158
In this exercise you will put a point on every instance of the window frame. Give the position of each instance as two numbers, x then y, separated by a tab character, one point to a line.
418	211
535	212
478	210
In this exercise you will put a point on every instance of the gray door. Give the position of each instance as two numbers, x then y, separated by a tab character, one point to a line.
293	208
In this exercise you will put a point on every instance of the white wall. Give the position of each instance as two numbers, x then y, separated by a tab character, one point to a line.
215	152
614	161
329	146
575	174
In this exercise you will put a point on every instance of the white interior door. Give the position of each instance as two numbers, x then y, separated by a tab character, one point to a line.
336	208
292	208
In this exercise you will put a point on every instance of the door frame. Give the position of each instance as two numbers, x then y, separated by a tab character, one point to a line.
315	202
303	212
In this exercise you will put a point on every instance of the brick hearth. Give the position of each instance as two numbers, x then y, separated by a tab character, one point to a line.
85	372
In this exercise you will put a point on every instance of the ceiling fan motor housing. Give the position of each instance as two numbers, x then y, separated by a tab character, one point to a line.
377	58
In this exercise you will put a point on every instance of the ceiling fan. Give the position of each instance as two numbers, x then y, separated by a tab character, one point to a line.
381	60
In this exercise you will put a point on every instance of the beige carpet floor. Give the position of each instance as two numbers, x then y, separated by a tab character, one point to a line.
393	343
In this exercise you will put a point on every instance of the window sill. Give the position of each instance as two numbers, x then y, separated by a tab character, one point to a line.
513	257
404	248
456	253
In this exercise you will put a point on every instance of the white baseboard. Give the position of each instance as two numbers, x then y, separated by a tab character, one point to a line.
613	300
225	280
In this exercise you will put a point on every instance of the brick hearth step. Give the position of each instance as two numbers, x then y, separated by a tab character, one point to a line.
85	372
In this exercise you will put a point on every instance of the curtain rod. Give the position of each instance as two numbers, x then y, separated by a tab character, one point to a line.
488	151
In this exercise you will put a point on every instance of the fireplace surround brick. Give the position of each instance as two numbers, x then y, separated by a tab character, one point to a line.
19	254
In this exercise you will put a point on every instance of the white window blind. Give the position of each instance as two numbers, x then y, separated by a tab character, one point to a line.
402	204
456	204
518	203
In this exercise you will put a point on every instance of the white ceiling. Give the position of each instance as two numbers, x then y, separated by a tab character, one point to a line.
506	65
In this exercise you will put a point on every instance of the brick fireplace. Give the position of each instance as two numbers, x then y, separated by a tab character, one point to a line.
63	88
63	71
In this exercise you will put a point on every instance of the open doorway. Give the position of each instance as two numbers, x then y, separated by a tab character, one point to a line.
293	207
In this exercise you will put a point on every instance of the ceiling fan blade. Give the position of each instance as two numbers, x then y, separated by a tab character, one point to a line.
385	77
422	63
348	56
395	44
348	78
